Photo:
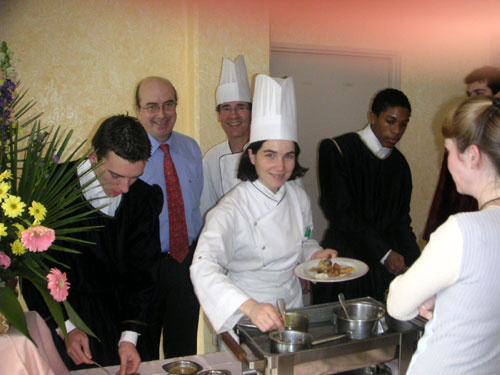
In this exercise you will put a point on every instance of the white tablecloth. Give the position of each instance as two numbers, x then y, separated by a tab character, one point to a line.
219	361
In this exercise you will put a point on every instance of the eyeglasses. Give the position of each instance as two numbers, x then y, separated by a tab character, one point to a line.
227	109
154	108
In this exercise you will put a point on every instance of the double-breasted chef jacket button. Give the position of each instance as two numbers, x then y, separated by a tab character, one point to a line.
263	248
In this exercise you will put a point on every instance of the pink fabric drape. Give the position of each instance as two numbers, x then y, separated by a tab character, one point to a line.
19	356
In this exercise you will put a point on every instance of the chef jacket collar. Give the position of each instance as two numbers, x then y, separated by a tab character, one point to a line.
94	193
372	142
275	197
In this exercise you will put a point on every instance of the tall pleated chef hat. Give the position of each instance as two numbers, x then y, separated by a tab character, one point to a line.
233	85
273	110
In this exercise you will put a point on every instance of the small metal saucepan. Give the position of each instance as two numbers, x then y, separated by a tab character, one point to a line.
365	319
290	341
182	367
296	322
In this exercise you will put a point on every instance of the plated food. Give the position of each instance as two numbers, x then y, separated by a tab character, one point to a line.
327	268
331	270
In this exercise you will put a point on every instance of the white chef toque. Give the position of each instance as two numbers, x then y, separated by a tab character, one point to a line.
233	85
273	110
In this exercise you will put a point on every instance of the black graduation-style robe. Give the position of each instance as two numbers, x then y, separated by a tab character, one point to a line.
367	203
112	282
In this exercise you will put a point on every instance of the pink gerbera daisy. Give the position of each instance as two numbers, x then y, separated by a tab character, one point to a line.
58	284
38	238
4	260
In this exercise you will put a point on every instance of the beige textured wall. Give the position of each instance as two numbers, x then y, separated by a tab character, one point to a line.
228	28
81	60
439	42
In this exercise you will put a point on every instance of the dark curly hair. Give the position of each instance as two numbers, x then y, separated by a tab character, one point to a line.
389	98
125	136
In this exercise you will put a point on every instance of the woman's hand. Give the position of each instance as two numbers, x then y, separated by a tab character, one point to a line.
427	308
264	315
323	254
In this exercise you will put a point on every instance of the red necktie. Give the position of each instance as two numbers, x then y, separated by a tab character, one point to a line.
178	237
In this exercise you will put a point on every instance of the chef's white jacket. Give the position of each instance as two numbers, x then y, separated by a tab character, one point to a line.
248	248
220	167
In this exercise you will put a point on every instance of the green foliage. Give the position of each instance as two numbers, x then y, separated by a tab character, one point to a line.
36	167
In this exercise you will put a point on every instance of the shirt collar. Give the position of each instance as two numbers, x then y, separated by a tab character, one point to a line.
372	142
155	144
94	193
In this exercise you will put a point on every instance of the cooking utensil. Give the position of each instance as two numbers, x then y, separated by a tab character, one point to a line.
342	303
292	341
281	308
362	321
182	367
234	346
102	368
215	372
297	321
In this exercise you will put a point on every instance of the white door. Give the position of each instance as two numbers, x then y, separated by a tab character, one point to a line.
333	89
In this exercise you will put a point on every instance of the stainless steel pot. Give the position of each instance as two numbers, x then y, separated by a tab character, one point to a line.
296	322
183	367
365	319
290	341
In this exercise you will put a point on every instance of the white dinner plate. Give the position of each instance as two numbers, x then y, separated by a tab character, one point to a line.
360	268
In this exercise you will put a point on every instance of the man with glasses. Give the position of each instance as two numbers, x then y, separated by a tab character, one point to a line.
234	111
176	166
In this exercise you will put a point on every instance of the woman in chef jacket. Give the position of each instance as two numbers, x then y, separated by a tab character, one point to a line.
455	282
260	231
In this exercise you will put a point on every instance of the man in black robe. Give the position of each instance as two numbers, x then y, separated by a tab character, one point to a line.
112	282
365	194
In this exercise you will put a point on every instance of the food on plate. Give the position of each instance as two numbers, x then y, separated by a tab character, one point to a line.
326	269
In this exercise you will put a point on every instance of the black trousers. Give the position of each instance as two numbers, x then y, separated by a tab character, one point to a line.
177	308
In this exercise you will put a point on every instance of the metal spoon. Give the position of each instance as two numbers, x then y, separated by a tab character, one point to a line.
281	308
342	303
102	368
98	365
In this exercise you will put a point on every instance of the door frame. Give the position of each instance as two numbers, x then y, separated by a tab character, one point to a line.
393	57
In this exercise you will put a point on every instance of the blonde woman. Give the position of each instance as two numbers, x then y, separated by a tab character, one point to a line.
456	281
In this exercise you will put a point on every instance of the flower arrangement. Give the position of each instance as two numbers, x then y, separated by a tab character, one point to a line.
37	203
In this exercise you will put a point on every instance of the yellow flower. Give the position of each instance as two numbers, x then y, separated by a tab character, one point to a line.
5	175
12	206
17	248
3	230
4	189
20	229
38	211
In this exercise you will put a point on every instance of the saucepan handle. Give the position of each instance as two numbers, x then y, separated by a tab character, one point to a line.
330	338
235	348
